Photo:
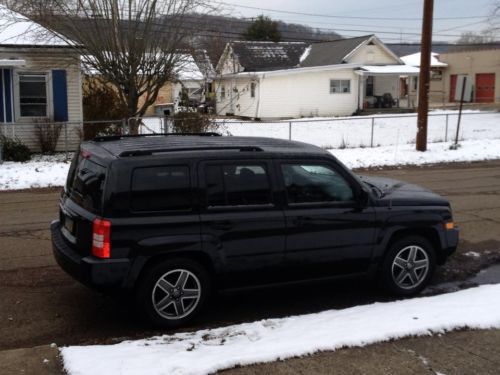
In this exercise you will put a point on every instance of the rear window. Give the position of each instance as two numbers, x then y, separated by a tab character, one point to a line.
90	196
165	188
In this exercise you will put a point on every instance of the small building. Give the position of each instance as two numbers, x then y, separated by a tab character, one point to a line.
481	62
40	82
297	79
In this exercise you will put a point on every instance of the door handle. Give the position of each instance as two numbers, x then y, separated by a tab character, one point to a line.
222	225
303	220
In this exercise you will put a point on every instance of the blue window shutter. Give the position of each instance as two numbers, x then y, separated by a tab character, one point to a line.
2	89
60	95
7	84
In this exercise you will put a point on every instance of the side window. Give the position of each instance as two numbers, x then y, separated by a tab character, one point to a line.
237	185
315	183
166	188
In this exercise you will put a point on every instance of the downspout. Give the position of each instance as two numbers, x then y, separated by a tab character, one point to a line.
257	108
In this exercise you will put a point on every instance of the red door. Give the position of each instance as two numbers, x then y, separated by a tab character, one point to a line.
485	88
453	87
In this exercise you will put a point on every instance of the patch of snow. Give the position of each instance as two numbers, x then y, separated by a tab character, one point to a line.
407	155
210	350
42	171
305	54
472	254
414	60
390	69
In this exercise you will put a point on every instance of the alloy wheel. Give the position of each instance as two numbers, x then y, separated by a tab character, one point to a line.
410	267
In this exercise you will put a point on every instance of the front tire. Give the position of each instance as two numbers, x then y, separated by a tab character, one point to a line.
408	266
173	292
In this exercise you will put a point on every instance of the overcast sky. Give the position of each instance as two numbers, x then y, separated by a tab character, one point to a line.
390	30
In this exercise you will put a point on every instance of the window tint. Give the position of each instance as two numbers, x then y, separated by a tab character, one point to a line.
310	183
165	188
85	183
237	185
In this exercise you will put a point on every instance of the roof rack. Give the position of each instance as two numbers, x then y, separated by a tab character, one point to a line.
108	138
165	150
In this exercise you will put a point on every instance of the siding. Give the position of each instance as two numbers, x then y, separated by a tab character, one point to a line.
44	61
243	104
372	55
307	94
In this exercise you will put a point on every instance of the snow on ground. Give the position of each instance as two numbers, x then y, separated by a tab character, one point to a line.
41	171
485	149
52	170
207	351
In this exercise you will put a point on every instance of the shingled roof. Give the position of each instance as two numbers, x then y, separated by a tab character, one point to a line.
266	56
332	53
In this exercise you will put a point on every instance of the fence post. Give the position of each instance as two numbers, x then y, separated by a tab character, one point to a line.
66	139
446	129
373	129
289	130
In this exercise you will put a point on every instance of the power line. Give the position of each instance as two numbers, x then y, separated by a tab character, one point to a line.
349	17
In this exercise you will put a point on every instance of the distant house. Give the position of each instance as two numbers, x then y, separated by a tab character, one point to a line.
192	84
480	62
40	81
296	79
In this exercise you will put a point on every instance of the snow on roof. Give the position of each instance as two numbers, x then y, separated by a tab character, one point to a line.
188	70
414	60
389	69
16	29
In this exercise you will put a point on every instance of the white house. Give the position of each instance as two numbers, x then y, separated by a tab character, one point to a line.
40	80
296	79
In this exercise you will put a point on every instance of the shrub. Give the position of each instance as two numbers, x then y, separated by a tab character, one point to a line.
14	149
48	134
192	122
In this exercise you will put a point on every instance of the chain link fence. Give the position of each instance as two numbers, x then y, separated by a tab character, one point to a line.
331	133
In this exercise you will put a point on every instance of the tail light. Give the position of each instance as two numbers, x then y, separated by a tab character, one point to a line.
101	238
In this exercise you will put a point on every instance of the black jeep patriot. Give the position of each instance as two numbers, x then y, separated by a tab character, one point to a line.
168	218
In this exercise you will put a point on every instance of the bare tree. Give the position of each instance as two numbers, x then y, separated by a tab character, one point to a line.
137	46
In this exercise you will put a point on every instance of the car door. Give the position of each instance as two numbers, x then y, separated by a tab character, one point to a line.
240	221
329	230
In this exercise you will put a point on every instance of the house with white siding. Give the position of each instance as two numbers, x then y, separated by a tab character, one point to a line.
40	81
268	80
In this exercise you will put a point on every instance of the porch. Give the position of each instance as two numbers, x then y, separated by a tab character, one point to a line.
387	89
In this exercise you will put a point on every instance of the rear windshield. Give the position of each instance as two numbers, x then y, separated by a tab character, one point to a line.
88	196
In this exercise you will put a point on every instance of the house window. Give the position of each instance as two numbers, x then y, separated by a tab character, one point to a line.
33	95
369	86
252	89
415	83
223	92
342	86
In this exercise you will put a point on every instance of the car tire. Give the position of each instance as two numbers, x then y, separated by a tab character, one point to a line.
408	266
173	292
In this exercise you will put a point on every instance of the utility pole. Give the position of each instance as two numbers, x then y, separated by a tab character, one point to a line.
424	78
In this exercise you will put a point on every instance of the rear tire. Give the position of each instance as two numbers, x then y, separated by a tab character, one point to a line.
173	292
408	266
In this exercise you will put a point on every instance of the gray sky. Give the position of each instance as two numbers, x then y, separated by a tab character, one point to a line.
389	30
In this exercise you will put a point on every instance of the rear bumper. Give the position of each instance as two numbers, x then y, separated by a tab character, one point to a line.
91	271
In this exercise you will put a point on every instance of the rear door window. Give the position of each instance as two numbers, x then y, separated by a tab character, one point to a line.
158	189
237	185
88	196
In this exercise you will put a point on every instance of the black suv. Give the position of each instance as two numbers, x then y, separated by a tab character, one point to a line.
169	218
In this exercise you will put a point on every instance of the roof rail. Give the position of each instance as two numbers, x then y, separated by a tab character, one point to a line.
164	150
108	138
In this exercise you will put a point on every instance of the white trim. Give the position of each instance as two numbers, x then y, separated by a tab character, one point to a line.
17	97
379	43
11	63
293	71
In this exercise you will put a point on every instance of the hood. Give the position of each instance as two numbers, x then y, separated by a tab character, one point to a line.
400	193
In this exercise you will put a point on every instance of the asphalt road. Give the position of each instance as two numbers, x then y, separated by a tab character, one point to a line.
40	304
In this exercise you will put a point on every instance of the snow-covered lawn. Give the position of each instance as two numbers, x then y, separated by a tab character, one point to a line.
207	351
51	171
41	171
